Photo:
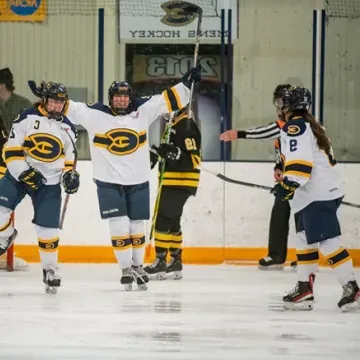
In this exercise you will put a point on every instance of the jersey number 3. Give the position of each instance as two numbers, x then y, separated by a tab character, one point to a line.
190	144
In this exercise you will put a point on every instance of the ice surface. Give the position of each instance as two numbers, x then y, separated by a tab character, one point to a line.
215	312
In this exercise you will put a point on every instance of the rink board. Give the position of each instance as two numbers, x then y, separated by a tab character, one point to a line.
224	222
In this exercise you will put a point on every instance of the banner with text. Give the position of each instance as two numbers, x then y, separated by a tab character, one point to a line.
151	74
22	10
158	19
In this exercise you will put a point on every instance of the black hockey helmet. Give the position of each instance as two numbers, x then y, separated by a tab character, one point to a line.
58	92
296	98
279	91
120	88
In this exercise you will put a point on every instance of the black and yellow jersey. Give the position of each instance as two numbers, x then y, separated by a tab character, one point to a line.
183	173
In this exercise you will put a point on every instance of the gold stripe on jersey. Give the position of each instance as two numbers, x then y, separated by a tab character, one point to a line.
298	168
2	171
44	147
120	141
172	99
13	153
196	160
188	179
177	119
68	165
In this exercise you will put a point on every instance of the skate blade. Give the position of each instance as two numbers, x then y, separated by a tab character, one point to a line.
176	275
157	277
128	287
350	307
306	305
272	267
50	289
142	287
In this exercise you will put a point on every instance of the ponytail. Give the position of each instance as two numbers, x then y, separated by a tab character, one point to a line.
322	139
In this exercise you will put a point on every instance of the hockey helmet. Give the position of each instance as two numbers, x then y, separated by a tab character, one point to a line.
296	98
120	88
55	91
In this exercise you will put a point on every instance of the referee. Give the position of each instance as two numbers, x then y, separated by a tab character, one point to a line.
280	214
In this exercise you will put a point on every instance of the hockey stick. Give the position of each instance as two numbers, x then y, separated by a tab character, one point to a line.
166	139
256	186
67	197
189	8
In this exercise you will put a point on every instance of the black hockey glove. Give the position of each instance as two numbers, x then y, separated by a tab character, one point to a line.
154	157
193	75
32	179
71	181
168	151
285	189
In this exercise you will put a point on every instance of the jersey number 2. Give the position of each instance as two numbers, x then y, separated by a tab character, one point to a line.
190	144
293	145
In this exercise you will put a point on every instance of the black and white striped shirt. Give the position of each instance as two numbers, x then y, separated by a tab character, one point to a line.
270	131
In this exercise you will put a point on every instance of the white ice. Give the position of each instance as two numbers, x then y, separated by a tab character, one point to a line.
215	312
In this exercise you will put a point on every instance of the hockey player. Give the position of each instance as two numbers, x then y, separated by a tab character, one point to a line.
120	156
181	180
39	156
280	213
312	184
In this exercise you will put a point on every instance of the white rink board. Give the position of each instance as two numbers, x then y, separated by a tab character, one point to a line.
243	212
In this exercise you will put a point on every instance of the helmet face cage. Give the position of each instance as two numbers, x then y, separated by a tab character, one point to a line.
55	91
120	88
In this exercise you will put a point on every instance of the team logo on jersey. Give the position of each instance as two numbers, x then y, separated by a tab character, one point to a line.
175	15
43	147
50	246
120	141
293	130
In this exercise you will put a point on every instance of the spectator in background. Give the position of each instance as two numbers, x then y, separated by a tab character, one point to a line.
11	104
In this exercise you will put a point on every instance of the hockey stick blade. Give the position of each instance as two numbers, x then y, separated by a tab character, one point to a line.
257	186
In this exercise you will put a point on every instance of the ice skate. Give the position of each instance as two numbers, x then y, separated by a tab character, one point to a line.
140	277
268	263
174	268
51	280
127	278
350	299
301	297
5	243
157	270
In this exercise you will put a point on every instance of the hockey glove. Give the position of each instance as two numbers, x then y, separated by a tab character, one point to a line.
154	156
285	189
193	75
169	152
32	179
71	181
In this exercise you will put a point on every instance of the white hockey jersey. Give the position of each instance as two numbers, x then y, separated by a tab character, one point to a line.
41	143
118	144
315	171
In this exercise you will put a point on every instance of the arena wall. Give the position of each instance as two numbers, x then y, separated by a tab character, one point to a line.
225	222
